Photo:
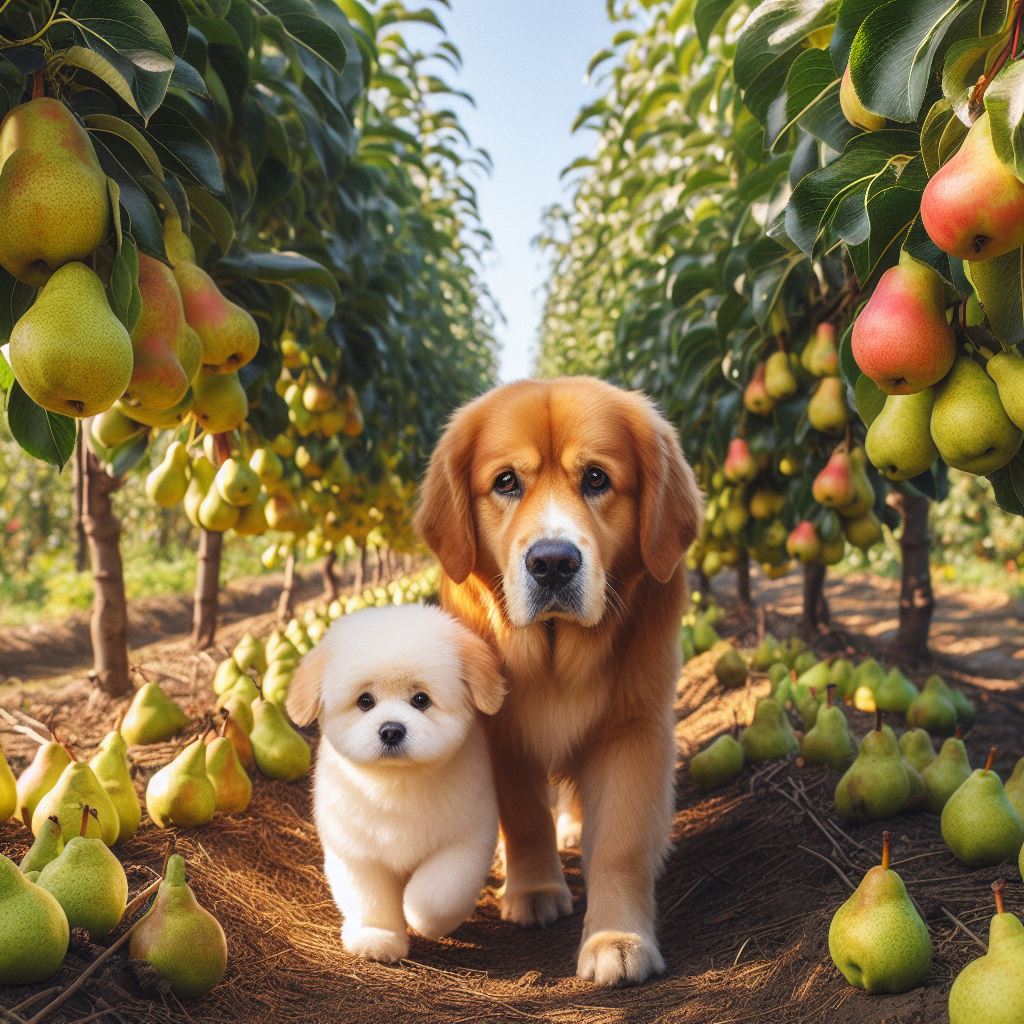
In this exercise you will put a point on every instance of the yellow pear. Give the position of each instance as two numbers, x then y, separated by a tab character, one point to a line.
219	402
167	483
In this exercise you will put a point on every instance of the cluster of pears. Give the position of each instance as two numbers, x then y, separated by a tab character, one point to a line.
877	938
938	403
316	407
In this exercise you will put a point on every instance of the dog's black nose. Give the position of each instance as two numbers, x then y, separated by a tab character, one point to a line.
553	562
391	733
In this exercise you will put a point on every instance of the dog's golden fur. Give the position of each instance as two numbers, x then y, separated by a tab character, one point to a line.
591	692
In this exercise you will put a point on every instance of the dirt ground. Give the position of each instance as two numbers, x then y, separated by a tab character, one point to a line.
756	871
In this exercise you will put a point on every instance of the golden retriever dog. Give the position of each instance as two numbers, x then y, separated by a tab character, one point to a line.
560	511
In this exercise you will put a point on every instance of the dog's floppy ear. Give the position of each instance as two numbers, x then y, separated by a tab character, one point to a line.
480	672
303	700
445	516
670	501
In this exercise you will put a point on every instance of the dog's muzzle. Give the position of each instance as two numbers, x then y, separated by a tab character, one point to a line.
554	567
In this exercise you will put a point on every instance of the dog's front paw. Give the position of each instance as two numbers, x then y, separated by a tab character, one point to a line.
376	944
619	958
538	906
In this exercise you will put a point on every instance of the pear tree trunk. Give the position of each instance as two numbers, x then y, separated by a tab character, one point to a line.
816	613
286	600
363	569
207	596
917	601
330	576
78	470
743	582
108	627
206	602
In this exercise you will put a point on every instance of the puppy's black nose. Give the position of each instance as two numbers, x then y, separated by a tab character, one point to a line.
391	733
553	562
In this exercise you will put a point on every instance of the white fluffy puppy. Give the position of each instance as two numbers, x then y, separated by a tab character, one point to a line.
404	796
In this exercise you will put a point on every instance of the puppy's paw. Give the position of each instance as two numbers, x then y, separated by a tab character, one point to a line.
618	958
539	906
570	832
376	944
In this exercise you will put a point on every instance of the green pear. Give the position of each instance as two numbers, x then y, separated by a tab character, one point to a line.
215	514
280	752
167	483
34	932
76	788
769	650
769	736
853	110
820	357
202	474
965	710
87	880
1014	787
243	689
944	776
277	682
895	692
717	764
252	519
979	824
817	676
988	989
779	381
219	403
52	190
40	777
829	740
234	729
231	785
730	669
237	484
877	938
867	677
249	653
162	419
181	792
237	707
803	661
778	673
827	410
46	847
68	351
8	789
840	675
1007	371
152	717
228	673
113	769
916	747
899	442
877	784
686	645
933	708
267	466
807	703
704	636
113	428
181	940
969	426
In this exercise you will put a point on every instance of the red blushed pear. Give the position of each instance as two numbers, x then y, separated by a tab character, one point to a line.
740	465
803	542
755	395
901	339
834	486
973	206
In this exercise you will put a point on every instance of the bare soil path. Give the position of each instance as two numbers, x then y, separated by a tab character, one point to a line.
756	871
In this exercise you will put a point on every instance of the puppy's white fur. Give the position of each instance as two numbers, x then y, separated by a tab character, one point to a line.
408	834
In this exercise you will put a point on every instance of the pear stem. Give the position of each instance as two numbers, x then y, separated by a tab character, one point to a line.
886	849
878	719
168	853
86	811
38	83
829	694
959	732
997	893
991	757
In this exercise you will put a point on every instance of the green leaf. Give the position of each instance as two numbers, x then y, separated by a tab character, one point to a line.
103	69
1004	101
123	130
6	373
125	457
999	283
851	16
279	268
868	398
894	50
1008	485
217	217
301	24
44	435
707	15
184	150
966	61
812	101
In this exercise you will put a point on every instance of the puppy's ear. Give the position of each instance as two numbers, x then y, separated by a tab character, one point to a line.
670	501
444	518
480	673
303	700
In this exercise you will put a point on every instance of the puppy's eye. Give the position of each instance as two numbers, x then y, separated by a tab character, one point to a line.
364	702
420	701
595	480
507	483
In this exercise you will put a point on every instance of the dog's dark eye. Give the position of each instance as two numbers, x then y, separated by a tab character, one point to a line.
507	483
364	702
595	481
420	701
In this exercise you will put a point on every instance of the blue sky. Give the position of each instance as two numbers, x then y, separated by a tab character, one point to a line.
524	64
